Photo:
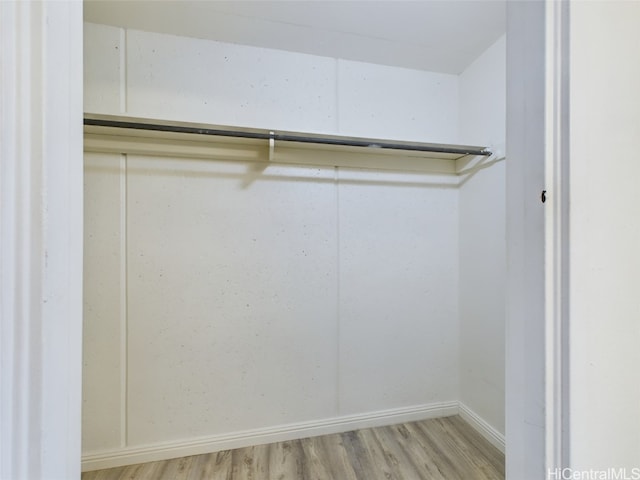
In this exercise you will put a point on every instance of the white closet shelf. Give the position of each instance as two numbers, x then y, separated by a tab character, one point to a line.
145	136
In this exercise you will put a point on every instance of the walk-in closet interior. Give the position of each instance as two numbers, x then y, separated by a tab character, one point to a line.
294	222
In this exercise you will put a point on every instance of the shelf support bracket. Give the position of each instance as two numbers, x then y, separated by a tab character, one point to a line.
272	146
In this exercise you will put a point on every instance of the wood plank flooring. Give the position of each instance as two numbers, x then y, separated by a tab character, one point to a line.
440	449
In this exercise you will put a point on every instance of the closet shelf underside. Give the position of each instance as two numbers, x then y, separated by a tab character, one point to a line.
143	136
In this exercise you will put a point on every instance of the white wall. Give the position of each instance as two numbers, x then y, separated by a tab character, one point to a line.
483	241
178	78
605	234
225	297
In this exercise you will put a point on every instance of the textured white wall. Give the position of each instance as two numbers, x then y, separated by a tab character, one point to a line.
262	297
181	78
231	297
482	240
384	102
178	78
398	290
104	302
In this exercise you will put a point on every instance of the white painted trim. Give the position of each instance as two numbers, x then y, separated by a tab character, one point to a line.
214	443
556	234
525	375
41	239
482	427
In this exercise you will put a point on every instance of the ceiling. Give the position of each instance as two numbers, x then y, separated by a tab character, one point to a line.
441	36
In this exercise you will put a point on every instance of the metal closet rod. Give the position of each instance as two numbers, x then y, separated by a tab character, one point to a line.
346	142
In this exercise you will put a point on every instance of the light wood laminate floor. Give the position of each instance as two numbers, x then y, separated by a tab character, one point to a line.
442	448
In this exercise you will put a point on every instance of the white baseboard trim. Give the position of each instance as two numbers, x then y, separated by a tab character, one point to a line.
215	443
482	427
